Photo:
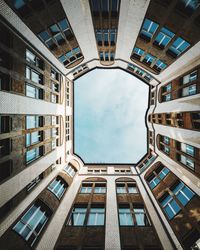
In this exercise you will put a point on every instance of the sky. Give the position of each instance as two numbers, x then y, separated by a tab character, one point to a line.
109	124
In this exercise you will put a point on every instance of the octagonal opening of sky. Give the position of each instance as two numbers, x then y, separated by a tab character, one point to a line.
109	117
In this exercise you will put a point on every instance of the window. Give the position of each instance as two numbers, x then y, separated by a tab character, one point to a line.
178	47
70	56
34	182
32	154
188	149
164	172
54	98
121	189
6	169
5	124
187	161
183	193
129	217
34	92
191	90
165	149
33	121
5	147
96	216
32	58
153	181
78	216
33	75
168	87
163	37
100	188
190	77
160	65
70	170
148	29
140	216
33	138
56	34
32	222
139	52
132	189
159	174
166	140
170	206
195	116
57	187
148	59
125	217
188	6
54	74
86	188
167	97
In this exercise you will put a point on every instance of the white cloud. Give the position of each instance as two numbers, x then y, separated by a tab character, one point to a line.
110	106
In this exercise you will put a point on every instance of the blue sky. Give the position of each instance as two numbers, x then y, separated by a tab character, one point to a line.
110	108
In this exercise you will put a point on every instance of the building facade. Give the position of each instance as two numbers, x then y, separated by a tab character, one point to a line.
50	198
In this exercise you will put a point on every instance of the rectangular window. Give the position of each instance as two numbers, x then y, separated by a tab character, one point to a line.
190	77
100	188
57	187
5	124
78	216
132	189
5	147
86	188
166	140
153	181
96	216
188	162
125	217
168	87
148	29
34	92
178	47
164	172
188	149
33	138
138	52
32	58
170	206
32	222
34	182
54	74
167	97
33	121
160	65
141	216
149	59
164	37
32	154
121	189
190	90
183	193
70	171
33	75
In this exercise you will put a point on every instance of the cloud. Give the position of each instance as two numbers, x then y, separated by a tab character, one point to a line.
110	107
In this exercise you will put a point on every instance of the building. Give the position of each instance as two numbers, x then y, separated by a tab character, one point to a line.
50	199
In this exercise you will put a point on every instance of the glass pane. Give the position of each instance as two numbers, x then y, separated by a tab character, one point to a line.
35	77
44	35
125	217
63	24
28	139
31	91
54	29
34	137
